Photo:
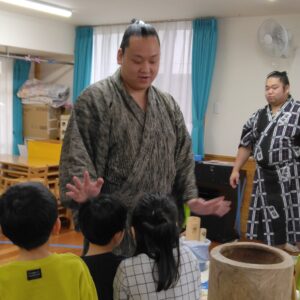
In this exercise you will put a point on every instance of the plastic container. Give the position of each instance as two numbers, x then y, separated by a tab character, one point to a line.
200	250
198	157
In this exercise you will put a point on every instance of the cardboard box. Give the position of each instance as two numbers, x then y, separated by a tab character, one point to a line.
40	121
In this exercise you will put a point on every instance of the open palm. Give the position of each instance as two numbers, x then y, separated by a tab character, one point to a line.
81	190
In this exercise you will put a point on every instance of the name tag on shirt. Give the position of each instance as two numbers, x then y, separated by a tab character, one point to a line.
273	212
34	274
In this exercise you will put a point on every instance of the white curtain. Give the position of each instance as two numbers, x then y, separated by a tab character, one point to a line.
175	72
6	105
106	42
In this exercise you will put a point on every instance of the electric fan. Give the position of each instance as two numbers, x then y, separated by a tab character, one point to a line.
273	39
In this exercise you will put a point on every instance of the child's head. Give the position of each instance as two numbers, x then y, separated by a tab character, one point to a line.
101	218
154	220
28	212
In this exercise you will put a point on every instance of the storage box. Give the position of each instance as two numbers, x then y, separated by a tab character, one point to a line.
40	121
44	150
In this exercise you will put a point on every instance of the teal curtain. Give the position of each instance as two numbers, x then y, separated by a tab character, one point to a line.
20	75
205	33
83	60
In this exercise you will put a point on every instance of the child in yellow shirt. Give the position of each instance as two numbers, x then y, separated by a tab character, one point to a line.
28	215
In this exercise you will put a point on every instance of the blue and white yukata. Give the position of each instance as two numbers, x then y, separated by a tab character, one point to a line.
275	142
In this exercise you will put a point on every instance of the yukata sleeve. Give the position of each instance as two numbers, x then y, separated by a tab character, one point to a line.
185	184
86	141
297	132
120	285
247	136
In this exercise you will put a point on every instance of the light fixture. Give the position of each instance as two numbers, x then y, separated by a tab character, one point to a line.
41	6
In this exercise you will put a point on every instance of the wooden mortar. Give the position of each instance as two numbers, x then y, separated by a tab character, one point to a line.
246	271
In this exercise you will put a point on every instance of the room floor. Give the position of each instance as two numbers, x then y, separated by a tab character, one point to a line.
67	241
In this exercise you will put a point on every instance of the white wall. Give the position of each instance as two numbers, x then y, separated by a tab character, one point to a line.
34	33
239	79
55	73
39	36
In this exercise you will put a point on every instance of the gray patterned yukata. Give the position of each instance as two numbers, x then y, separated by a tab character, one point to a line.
275	142
134	151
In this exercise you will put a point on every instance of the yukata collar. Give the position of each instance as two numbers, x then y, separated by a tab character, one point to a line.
133	106
118	79
280	111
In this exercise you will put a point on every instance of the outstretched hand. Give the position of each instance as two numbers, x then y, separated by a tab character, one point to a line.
80	191
217	206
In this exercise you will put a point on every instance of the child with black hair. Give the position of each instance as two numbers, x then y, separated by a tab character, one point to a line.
161	268
102	221
28	215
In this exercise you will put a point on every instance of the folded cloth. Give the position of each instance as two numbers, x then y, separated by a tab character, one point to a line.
290	248
34	88
45	100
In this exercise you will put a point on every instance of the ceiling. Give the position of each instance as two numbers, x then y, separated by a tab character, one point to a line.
98	12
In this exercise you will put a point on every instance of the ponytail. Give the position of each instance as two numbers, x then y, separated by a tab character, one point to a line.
155	222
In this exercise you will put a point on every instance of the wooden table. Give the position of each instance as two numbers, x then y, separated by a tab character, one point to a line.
18	166
27	162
